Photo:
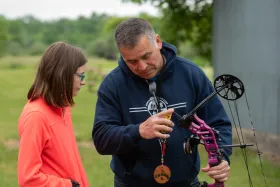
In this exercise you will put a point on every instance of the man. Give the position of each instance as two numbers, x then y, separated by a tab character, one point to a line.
134	100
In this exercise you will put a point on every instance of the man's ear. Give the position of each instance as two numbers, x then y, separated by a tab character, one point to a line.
158	41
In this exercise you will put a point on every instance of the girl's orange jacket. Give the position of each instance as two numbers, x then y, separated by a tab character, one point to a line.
48	153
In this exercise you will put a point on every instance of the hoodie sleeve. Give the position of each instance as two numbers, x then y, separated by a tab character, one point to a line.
109	134
213	113
33	137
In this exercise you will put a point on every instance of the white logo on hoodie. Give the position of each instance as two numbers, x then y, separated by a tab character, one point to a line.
151	106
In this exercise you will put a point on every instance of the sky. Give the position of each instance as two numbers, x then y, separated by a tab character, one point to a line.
54	9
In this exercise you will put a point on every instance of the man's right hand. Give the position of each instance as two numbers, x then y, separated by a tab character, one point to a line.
151	128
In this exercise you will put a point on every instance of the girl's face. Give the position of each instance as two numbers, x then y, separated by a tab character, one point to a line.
79	79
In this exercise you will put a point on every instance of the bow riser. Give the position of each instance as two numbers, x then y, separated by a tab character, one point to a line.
207	135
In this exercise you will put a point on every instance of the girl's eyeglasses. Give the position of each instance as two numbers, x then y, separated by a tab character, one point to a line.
81	75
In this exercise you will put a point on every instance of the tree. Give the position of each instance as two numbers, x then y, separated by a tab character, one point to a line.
186	20
3	35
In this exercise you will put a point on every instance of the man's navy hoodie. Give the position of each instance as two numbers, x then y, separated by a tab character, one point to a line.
124	102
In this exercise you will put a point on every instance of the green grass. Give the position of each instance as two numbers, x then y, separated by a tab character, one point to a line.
16	74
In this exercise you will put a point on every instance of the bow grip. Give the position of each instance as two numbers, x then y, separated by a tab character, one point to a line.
216	184
214	162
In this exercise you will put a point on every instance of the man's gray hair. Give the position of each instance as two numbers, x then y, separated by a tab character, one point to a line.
129	31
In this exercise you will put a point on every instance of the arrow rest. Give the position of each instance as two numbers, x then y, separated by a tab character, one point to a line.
190	143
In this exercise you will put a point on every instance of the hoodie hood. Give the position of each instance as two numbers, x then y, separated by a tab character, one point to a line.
169	51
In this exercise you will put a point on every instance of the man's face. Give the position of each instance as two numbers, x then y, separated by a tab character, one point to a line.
144	59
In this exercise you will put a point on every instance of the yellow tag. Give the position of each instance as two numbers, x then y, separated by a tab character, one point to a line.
168	116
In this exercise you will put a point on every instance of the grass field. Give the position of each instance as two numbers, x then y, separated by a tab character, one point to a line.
16	74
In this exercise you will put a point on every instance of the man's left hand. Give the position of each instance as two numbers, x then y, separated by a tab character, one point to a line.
219	172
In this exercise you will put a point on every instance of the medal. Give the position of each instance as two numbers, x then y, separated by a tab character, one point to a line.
162	174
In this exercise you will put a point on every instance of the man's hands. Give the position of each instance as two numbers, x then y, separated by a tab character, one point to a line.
219	172
151	128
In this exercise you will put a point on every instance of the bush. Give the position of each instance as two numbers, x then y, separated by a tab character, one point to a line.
15	49
103	48
37	49
186	50
15	65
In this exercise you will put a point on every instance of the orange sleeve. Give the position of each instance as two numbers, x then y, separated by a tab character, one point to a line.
33	137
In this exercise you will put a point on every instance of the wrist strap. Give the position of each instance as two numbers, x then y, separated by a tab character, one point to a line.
74	183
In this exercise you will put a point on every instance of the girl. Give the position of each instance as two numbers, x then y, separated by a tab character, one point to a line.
48	153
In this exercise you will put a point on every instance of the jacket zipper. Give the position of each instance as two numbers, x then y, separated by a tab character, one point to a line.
63	111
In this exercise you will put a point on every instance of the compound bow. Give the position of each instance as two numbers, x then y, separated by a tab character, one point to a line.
230	88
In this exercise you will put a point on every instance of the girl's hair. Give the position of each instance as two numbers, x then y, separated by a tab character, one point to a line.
54	78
